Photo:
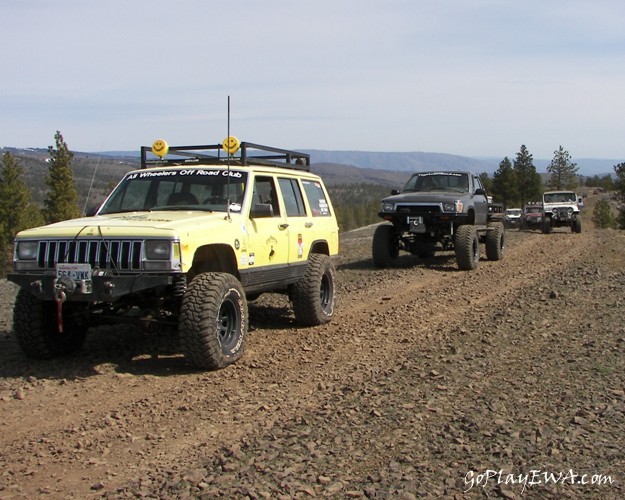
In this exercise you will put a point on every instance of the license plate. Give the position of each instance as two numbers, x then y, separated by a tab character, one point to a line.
77	272
415	220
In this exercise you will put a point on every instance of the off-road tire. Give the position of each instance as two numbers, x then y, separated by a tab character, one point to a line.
495	241
467	247
385	247
35	323
314	296
213	321
546	226
576	227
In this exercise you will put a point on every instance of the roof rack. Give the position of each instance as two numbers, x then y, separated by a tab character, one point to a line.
214	154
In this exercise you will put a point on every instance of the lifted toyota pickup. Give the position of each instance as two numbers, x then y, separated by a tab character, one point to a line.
440	210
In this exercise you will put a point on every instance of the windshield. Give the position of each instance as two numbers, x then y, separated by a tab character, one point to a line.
560	198
438	181
513	211
177	189
533	210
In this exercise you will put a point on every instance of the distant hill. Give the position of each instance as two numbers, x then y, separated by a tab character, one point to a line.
403	162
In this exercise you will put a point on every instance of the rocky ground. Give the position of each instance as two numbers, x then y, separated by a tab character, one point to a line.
508	381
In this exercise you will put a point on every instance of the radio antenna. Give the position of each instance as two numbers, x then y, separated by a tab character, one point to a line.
228	162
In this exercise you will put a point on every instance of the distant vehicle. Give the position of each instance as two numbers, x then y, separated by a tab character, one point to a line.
561	209
512	218
532	217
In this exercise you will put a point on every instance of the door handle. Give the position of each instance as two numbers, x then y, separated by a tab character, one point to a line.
283	226
308	224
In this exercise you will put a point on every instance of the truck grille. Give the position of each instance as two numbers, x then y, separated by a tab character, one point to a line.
120	255
419	209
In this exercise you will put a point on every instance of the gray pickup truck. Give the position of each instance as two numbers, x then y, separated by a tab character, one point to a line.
440	210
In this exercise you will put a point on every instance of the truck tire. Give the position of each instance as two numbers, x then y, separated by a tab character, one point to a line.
36	327
213	321
495	241
313	296
577	225
467	247
385	248
546	227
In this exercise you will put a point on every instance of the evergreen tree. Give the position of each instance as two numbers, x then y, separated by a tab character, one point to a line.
487	181
529	183
61	202
505	184
602	215
14	205
563	171
619	184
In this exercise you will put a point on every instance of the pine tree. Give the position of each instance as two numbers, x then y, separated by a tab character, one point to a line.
619	184
563	171
505	184
529	183
602	215
14	205
61	202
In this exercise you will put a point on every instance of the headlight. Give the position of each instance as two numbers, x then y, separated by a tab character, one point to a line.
27	250
158	249
555	210
452	206
388	206
570	210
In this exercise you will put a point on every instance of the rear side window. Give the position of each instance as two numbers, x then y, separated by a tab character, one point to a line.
316	198
292	195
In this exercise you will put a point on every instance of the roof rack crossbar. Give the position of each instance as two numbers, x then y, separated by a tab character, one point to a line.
282	158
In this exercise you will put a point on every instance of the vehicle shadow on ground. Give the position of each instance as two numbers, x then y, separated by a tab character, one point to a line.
442	261
129	349
123	348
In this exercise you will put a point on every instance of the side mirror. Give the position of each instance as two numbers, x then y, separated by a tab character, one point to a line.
394	191
480	191
261	210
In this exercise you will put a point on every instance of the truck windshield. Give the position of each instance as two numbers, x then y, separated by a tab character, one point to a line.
560	198
438	181
178	189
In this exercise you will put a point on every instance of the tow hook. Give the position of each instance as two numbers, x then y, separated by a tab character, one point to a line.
62	285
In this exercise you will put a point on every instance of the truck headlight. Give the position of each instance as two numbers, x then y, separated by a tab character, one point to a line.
387	206
27	250
158	249
452	206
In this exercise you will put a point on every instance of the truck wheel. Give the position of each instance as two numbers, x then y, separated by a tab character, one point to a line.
36	327
213	321
495	241
577	225
385	248
313	296
467	247
546	227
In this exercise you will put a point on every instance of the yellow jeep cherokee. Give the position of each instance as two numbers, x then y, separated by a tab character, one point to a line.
188	239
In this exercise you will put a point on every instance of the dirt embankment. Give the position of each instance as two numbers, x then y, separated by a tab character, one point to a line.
430	382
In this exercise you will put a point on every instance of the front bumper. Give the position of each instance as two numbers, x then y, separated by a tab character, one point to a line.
97	289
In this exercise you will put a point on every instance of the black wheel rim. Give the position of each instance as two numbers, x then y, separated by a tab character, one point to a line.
228	324
325	293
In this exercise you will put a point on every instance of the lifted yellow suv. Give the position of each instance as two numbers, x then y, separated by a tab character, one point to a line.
185	240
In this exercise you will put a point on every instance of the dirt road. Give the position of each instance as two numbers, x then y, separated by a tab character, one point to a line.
430	382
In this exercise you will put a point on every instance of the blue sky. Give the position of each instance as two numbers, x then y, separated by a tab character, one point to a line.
474	78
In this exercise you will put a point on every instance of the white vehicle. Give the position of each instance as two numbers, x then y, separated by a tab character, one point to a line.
560	209
512	217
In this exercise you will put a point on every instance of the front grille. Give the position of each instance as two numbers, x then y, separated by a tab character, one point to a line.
419	209
117	255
